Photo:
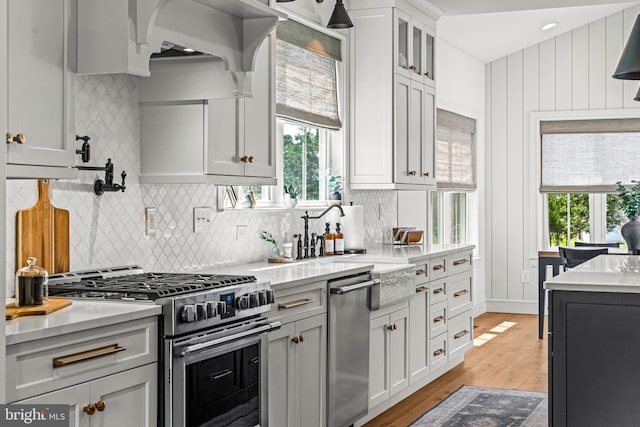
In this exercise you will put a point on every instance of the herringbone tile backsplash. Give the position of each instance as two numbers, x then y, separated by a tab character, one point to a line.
109	230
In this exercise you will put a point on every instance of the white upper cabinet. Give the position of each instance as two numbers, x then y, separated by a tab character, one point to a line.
40	88
393	99
194	129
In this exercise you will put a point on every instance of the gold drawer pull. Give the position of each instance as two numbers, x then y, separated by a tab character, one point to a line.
438	319
86	355
89	409
413	68
426	174
438	267
421	289
438	291
461	334
100	405
421	272
438	352
292	304
392	327
460	261
460	293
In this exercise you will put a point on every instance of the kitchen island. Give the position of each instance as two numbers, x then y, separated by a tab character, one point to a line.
594	343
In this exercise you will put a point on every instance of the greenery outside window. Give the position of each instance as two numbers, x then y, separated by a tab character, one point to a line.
449	213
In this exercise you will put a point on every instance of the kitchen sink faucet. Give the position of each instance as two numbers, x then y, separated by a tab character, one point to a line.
306	218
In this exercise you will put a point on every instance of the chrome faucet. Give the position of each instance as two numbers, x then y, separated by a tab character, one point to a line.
306	218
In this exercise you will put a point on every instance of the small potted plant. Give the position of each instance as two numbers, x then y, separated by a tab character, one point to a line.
629	202
291	196
334	185
268	237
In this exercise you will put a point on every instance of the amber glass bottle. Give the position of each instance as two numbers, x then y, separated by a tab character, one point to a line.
328	241
338	241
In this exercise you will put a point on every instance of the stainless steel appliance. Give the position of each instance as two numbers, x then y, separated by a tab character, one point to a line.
348	361
213	337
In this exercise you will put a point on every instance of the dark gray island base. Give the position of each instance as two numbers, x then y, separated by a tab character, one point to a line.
594	359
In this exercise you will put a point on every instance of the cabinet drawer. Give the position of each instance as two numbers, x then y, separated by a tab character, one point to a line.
460	333
438	291
438	351
459	262
459	294
48	364
437	268
438	318
302	301
422	274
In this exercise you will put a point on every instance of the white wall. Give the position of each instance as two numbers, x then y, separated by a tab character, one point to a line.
461	89
570	72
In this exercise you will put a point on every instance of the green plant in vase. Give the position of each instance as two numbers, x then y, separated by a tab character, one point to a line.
268	237
334	185
291	196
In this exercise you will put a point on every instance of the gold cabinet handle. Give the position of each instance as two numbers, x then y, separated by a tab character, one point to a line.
301	337
438	291
421	272
295	339
426	73
19	138
100	405
413	68
438	352
294	303
438	267
89	409
421	289
460	261
392	327
438	319
250	159
244	159
86	355
461	334
413	173
427	173
460	293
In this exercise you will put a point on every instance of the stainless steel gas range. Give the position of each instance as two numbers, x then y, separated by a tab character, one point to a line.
213	337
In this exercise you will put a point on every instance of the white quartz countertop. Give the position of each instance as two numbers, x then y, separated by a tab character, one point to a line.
605	273
410	254
80	315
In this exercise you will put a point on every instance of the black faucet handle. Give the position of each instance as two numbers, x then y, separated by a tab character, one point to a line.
123	175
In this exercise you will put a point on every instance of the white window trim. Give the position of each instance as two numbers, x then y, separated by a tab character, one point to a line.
536	201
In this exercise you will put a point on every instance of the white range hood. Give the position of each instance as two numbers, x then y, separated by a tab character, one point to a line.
119	36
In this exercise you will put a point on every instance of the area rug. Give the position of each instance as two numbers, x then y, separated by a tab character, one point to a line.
488	407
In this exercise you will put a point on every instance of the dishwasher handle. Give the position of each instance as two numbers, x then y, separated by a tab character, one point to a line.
362	285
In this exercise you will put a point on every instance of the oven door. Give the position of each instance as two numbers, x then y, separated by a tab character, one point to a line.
218	378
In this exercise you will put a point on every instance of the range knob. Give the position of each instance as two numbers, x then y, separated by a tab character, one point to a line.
253	300
262	297
222	308
201	313
270	296
210	308
242	303
188	313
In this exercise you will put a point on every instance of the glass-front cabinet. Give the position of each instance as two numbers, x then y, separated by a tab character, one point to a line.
413	48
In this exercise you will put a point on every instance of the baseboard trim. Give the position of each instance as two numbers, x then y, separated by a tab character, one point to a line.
512	306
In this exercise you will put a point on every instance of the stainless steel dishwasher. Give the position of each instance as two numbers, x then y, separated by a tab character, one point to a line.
348	362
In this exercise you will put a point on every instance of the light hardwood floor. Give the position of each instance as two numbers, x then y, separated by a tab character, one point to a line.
514	359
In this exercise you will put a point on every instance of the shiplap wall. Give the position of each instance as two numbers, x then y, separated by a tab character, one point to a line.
569	72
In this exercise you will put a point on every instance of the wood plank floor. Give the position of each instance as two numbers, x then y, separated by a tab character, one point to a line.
514	359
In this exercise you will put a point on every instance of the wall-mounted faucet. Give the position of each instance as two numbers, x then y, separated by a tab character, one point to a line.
100	186
306	218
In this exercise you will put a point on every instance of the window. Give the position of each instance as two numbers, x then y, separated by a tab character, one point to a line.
456	176
304	159
581	162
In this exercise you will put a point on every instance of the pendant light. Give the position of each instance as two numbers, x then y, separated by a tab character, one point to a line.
629	63
339	18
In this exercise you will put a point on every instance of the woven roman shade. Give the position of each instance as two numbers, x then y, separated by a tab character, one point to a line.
589	156
306	80
455	152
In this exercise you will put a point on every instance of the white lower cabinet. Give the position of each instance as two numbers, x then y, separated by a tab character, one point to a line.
388	353
419	334
297	373
127	398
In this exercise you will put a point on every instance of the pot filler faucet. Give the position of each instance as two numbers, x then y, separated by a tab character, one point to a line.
306	218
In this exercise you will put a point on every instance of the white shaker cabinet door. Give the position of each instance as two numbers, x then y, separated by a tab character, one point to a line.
40	86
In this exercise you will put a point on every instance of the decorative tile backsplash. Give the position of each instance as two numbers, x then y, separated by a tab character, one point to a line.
109	230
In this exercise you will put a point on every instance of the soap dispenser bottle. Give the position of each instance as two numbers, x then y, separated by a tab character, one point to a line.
338	241
328	241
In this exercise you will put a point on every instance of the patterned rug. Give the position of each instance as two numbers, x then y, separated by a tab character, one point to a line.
488	407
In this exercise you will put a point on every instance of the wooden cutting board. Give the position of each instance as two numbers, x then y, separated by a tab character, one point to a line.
53	304
42	231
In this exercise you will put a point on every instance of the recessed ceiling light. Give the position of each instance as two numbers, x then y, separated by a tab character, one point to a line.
548	26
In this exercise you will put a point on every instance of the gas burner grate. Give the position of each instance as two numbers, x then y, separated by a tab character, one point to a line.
149	286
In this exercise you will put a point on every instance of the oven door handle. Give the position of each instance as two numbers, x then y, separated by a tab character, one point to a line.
345	289
255	331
